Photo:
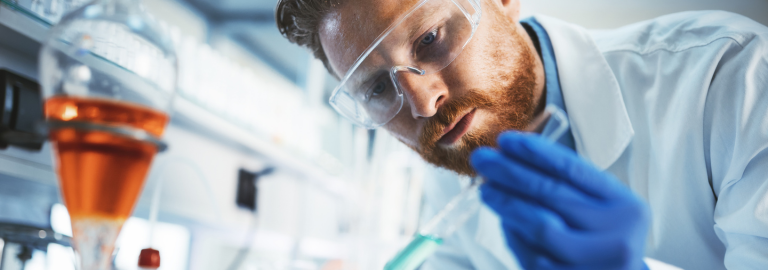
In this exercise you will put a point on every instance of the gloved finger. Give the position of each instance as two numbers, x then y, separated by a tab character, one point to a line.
547	263
578	209
561	162
531	258
526	255
514	176
539	227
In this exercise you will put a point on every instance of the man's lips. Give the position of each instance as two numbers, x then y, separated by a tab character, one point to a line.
454	132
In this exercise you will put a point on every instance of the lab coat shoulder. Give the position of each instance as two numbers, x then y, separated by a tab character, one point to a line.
678	32
736	110
702	78
736	149
693	87
717	58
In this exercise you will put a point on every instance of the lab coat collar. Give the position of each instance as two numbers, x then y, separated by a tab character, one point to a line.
599	121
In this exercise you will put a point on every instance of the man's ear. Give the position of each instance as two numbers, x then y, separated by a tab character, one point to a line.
510	8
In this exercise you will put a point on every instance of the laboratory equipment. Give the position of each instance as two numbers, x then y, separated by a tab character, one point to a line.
149	258
552	124
108	76
19	244
22	110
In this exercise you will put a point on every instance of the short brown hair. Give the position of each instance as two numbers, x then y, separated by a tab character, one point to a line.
299	22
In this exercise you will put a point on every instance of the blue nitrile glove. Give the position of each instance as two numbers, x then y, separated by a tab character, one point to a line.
559	211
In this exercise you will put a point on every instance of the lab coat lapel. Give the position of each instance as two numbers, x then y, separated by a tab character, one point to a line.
599	120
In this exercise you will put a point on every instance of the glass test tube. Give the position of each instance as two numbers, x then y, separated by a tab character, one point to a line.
552	124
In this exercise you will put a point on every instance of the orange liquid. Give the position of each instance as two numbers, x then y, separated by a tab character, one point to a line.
101	174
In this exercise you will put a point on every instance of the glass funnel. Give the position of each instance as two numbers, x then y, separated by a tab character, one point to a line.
108	77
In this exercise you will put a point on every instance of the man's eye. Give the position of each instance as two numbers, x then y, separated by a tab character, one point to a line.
429	38
378	88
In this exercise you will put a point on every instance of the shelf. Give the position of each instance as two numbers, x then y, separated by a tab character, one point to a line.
24	32
34	170
20	31
191	116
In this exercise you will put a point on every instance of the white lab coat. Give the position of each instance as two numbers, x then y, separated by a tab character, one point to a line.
675	107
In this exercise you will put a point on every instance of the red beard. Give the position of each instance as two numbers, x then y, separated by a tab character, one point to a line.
509	101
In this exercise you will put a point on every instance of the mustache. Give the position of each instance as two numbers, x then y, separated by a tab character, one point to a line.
448	113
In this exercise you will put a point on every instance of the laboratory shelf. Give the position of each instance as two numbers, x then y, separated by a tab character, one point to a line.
192	116
22	31
31	169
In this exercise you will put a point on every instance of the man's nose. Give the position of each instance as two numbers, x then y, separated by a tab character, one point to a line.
425	94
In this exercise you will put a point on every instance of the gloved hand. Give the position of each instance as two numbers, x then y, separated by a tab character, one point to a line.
559	211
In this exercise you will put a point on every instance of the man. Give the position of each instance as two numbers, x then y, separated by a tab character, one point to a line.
666	158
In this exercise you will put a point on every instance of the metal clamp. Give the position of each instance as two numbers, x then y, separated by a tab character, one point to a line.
131	133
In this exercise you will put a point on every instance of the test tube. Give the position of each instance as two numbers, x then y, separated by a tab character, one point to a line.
551	124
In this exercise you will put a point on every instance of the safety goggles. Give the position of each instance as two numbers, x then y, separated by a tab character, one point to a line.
422	42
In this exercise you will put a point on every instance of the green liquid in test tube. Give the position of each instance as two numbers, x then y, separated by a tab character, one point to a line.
552	124
415	253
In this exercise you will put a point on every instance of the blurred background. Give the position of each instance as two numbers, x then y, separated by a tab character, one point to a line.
261	172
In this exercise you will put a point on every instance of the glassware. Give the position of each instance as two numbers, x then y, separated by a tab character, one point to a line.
552	124
105	114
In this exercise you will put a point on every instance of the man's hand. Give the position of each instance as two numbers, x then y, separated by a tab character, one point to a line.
559	211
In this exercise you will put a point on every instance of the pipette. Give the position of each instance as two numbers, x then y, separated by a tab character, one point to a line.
552	124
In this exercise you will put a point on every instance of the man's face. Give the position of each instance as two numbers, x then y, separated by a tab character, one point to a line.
490	87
